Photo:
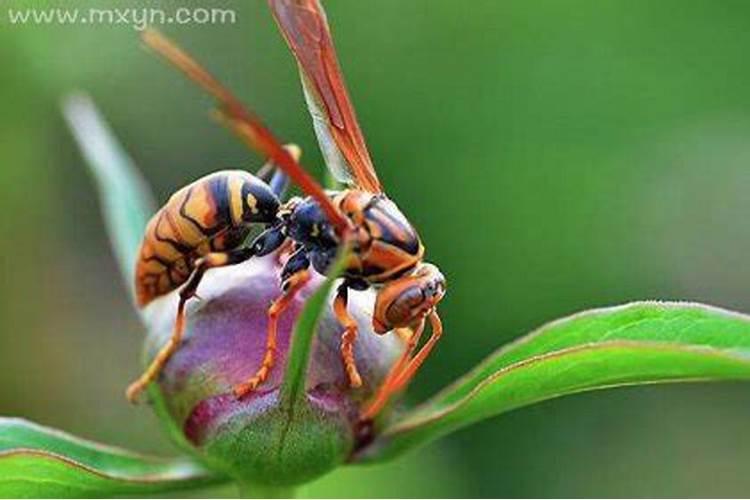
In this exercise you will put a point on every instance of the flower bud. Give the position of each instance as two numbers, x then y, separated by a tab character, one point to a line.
258	439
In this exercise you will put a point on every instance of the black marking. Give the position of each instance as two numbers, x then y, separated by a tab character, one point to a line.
376	212
208	232
357	283
372	270
229	239
180	247
297	263
158	259
266	204
219	188
169	277
402	272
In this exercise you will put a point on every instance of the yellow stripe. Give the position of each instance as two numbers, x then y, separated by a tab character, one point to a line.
235	199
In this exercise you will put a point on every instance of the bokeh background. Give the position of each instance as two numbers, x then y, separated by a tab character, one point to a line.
555	155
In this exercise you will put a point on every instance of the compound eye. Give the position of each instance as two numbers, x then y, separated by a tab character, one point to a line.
405	308
413	297
435	288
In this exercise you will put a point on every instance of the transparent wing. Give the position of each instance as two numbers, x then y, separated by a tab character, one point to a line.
305	28
245	124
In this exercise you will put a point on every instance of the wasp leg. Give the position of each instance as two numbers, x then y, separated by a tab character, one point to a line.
211	260
279	183
387	387
348	337
408	373
412	339
295	276
399	381
275	177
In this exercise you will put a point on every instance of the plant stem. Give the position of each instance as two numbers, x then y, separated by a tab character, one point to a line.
293	386
250	490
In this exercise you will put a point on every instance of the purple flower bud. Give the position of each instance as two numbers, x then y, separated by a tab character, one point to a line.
255	439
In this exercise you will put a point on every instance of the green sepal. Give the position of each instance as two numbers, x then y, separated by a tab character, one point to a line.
39	462
639	343
126	200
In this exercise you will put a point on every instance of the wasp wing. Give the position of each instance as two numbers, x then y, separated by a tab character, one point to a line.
305	28
245	123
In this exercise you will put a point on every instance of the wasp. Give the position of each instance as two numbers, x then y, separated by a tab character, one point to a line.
206	224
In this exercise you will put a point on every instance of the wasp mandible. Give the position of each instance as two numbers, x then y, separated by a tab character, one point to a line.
205	224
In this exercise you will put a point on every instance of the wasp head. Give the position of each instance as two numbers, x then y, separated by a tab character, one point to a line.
407	300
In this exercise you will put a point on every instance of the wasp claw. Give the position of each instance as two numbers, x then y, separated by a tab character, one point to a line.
242	390
355	381
133	392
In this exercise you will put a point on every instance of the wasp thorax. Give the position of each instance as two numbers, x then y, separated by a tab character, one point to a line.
309	225
255	438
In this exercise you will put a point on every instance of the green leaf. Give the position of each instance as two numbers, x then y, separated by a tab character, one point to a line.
39	462
639	343
293	386
126	200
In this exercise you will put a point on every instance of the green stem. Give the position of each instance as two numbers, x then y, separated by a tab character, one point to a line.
250	490
293	386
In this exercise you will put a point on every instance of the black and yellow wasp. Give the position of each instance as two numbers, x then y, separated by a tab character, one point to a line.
205	224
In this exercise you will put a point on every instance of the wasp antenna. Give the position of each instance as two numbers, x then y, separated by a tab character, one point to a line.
246	125
180	59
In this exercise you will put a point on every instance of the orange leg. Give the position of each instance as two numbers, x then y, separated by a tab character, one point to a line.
405	377
412	339
399	381
154	369
348	337
216	259
291	287
386	387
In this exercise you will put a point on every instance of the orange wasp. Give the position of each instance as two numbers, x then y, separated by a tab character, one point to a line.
205	224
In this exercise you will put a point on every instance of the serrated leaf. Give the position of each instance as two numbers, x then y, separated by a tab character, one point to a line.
639	343
39	462
127	202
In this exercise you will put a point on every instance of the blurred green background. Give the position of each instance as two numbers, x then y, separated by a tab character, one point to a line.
555	155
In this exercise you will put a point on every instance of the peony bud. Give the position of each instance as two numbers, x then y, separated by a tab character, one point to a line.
257	439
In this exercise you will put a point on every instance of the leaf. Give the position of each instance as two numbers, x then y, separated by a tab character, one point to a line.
638	343
293	385
37	461
126	200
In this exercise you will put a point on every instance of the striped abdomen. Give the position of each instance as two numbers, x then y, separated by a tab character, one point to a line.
212	214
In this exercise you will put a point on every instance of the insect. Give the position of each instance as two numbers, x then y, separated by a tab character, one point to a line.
205	224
